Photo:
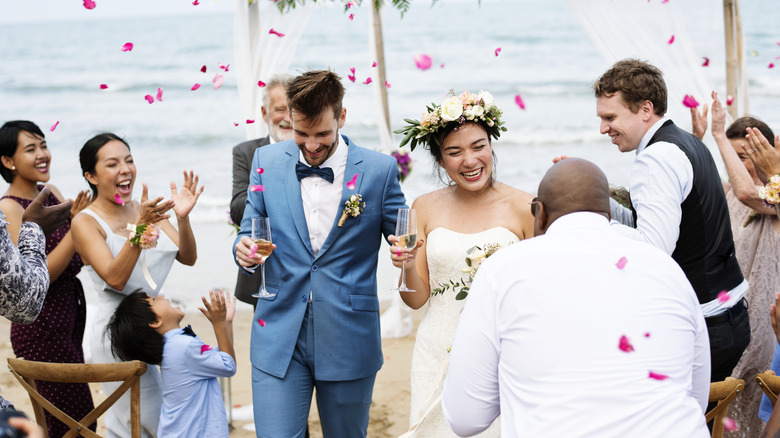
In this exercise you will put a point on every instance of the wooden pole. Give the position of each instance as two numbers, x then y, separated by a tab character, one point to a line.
380	61
743	82
732	61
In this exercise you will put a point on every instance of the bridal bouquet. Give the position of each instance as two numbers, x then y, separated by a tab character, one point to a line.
474	258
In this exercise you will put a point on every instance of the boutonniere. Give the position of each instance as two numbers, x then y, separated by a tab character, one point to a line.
352	207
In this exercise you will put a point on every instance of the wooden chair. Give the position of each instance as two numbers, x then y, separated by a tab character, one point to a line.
724	393
770	384
27	372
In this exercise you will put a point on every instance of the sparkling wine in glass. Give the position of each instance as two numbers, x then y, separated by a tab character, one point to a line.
406	230
261	237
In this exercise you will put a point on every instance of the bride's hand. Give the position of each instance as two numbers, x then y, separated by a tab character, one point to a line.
185	200
152	211
399	253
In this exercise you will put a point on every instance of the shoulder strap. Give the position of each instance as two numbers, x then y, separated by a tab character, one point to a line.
99	220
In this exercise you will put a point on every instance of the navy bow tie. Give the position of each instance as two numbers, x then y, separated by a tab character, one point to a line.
302	171
188	331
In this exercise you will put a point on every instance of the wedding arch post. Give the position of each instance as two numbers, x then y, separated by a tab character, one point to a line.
736	78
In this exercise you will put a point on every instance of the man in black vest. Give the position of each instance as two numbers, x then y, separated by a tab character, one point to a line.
678	201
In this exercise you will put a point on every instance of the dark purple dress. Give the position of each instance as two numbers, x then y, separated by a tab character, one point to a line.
57	334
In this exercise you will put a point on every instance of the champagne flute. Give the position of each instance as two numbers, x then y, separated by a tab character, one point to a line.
406	230
261	237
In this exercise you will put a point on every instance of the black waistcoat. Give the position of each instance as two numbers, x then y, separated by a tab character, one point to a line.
705	248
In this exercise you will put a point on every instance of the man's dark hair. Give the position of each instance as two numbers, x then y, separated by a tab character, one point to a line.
738	129
315	91
131	336
9	141
637	81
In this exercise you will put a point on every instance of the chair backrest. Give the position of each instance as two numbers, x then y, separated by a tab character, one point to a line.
724	393
27	372
770	384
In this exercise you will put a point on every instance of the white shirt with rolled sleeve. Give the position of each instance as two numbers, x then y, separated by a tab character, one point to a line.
538	340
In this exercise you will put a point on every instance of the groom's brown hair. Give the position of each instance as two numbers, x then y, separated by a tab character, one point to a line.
311	93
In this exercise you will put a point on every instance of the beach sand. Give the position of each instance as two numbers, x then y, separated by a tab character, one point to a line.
389	416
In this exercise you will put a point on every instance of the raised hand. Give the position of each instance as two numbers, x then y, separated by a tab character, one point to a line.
765	158
186	199
216	310
81	202
699	120
718	116
49	218
152	211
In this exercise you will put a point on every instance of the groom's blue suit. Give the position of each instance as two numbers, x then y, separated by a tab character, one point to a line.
342	321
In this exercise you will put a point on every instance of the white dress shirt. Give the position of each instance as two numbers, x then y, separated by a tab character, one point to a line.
538	340
661	180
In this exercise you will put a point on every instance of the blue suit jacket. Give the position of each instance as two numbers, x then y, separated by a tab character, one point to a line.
342	277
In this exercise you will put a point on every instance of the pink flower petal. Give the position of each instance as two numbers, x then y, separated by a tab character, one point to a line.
260	84
217	81
441	66
373	64
771	65
729	425
497	51
235	124
352	69
519	101
54	126
103	86
621	263
252	251
204	348
159	94
657	376
729	100
89	4
351	17
690	102
723	297
149	98
127	47
257	188
387	84
118	199
261	322
273	32
423	61
195	3
351	78
195	87
351	183
368	80
625	344
203	69
706	62
224	67
664	1
671	40
260	170
647	334
249	121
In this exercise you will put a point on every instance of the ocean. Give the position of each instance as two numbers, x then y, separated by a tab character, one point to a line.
51	72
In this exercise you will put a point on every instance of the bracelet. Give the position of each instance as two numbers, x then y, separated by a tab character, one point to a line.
144	235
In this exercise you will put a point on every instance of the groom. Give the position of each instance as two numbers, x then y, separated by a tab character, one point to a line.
321	330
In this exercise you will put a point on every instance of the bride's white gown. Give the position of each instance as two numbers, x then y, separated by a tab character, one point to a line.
446	252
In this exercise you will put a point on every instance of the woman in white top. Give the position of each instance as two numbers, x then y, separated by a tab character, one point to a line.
474	210
118	267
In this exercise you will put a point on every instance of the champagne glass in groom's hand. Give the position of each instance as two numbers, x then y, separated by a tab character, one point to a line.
406	230
262	245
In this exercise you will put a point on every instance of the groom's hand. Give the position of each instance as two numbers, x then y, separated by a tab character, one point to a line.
399	253
244	254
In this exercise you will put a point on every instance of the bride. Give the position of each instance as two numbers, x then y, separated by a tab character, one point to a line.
474	210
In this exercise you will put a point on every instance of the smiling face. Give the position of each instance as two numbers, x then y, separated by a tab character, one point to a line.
467	157
277	115
168	317
31	159
318	139
114	172
625	127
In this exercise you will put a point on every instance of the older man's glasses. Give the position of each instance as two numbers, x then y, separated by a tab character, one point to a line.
534	202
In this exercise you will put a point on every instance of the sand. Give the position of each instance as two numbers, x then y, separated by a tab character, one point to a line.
389	416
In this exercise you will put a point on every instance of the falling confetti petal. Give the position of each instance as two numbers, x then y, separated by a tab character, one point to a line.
368	80
351	183
273	32
664	1
352	69
260	170
203	69
257	188
149	98
519	101
498	50
671	40
441	66
647	335
351	17
374	64
235	124
657	376
625	344
224	67
621	263
195	3
387	84
690	102
249	121
729	425
195	87
706	62
351	78
103	86
729	100
54	126
159	94
204	348
771	65
89	4
252	251
261	322
260	84
217	81
723	297
118	199
422	61
127	47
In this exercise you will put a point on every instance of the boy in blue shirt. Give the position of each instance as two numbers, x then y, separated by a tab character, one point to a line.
147	329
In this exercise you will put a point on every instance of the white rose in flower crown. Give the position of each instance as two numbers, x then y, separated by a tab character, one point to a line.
451	109
488	100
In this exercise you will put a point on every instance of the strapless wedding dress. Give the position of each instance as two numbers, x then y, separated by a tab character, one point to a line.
446	251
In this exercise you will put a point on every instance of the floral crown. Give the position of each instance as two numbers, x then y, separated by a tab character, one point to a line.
455	109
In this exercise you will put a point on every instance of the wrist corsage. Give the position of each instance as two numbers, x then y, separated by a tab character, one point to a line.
143	236
352	207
